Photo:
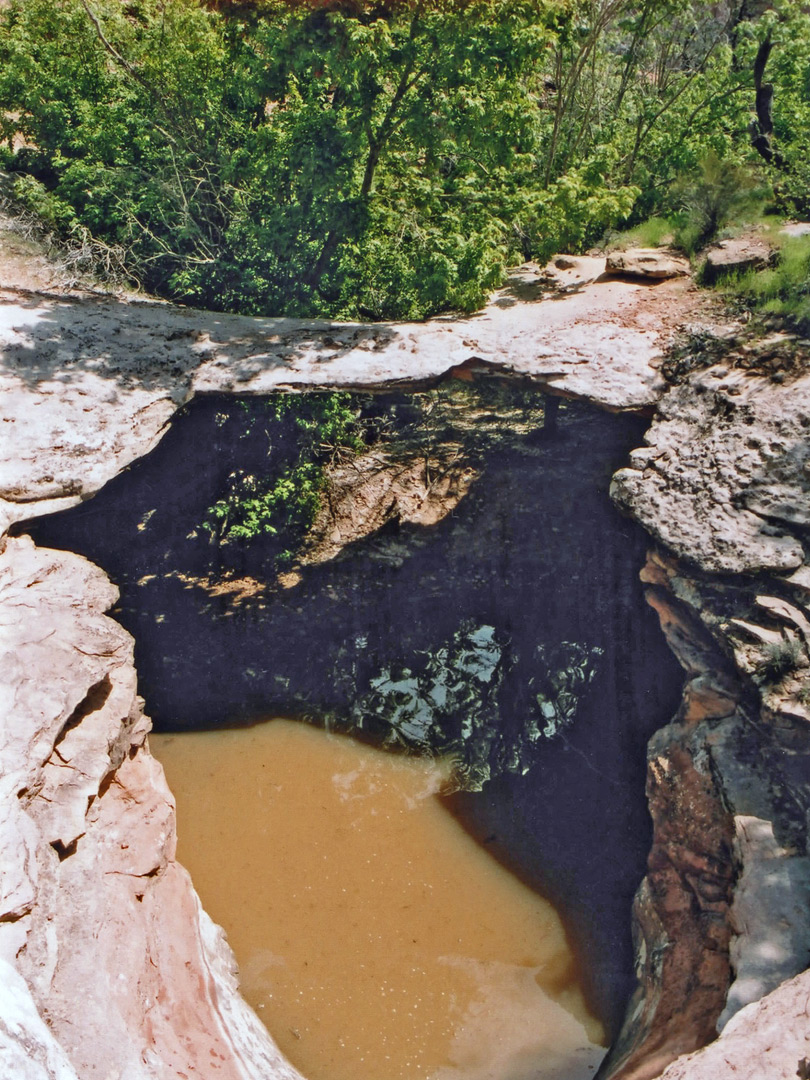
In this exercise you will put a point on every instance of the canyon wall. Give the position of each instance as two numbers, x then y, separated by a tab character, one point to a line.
722	918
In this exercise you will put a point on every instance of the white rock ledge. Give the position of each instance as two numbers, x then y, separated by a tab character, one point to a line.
88	385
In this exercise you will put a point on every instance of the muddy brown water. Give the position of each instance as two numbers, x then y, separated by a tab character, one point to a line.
375	938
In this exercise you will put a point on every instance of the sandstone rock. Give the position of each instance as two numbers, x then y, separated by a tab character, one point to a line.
647	263
769	914
769	1040
28	1050
761	634
722	912
374	490
733	256
786	612
680	913
89	386
96	914
725	477
800	580
796	228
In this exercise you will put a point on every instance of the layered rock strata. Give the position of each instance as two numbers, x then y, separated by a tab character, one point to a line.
722	918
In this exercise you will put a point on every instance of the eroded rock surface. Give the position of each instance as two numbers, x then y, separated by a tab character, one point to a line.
647	264
722	917
95	913
723	478
88	385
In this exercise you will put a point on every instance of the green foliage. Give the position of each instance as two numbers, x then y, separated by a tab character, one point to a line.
718	194
787	25
262	506
652	233
328	422
279	504
287	159
779	659
782	291
382	160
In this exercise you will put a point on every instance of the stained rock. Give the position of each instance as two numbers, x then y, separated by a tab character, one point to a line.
769	1040
722	914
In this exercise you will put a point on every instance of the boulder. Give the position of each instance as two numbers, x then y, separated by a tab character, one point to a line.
736	255
646	263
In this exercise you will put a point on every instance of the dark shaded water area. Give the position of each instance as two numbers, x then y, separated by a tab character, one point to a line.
517	623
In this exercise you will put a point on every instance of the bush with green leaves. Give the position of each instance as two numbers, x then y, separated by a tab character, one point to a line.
255	506
278	505
284	159
370	160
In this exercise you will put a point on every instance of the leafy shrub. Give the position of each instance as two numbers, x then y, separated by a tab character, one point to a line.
262	506
384	160
278	506
720	192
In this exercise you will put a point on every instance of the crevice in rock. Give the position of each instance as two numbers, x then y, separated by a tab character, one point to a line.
64	851
16	915
93	700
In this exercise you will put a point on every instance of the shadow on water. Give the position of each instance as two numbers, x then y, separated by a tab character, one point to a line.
535	554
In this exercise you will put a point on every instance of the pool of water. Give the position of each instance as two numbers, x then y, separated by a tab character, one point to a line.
374	937
513	632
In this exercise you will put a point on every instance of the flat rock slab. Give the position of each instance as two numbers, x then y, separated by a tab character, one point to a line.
796	228
736	255
89	385
647	263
